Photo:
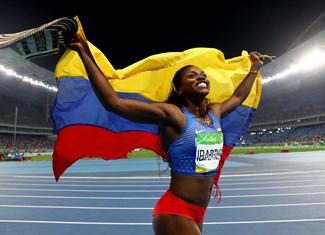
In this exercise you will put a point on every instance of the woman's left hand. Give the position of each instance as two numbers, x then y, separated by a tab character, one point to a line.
257	59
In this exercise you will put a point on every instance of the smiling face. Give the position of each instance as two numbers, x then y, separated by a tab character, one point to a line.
193	81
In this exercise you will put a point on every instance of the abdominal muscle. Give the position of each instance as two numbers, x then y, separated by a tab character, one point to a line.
192	189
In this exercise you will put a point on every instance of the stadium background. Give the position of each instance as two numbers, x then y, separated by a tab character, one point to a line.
291	110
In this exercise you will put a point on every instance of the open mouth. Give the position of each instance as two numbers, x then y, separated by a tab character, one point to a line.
202	84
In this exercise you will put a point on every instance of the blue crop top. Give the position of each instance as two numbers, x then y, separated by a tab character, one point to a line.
182	152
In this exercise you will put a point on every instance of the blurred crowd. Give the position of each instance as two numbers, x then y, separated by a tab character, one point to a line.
288	114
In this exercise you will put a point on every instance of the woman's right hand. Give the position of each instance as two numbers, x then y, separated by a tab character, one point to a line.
78	44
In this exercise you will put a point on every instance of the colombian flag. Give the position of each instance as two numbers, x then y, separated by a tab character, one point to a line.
86	129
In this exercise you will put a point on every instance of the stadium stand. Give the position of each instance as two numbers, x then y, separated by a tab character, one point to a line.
292	107
25	122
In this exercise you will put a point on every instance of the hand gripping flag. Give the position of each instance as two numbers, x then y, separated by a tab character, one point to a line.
86	129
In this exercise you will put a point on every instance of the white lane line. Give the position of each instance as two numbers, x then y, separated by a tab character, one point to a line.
78	207
159	177
150	224
152	190
276	173
86	198
88	190
70	222
162	183
150	208
86	177
266	221
154	198
91	185
271	205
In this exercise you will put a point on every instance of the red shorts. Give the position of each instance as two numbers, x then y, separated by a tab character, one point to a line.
170	204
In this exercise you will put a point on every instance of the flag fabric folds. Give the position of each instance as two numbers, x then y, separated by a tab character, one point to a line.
86	129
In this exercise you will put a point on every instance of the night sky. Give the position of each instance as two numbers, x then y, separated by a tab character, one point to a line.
128	31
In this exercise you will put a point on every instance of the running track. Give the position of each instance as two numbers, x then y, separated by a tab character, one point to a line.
262	194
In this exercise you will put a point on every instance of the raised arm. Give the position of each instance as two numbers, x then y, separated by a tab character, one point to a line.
130	109
244	88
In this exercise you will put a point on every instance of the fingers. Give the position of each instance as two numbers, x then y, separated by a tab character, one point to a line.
255	55
261	57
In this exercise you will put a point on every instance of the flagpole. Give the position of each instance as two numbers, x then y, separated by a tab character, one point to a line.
15	130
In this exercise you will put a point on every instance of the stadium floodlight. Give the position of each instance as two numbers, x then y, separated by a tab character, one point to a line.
310	61
9	72
26	79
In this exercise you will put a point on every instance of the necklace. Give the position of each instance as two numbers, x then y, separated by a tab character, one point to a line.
204	120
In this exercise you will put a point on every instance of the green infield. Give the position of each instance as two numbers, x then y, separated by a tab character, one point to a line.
143	153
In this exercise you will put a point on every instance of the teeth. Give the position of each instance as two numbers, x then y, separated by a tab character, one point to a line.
202	84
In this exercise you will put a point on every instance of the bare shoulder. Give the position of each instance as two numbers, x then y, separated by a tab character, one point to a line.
168	109
173	114
215	108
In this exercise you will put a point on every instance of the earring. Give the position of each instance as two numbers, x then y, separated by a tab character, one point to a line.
180	93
